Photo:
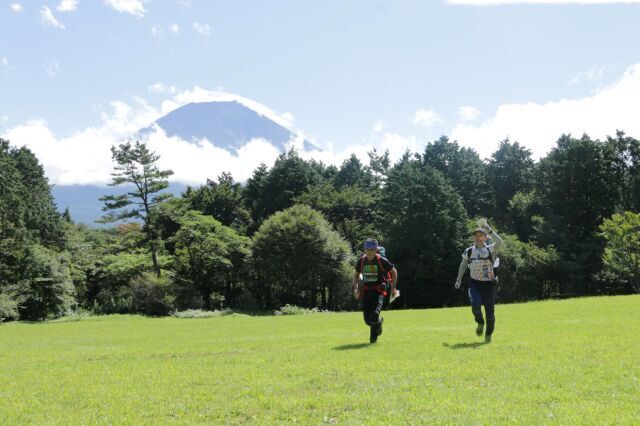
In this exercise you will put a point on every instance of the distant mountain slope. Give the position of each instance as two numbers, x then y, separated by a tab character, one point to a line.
83	200
228	125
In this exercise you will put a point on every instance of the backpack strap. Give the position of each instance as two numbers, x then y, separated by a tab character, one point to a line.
470	249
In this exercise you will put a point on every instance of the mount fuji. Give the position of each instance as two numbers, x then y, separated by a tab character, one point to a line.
226	124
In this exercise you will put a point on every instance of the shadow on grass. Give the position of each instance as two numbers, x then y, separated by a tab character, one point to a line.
351	346
474	345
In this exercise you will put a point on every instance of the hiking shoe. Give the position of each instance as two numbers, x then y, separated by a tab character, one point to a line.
487	338
380	325
479	329
373	335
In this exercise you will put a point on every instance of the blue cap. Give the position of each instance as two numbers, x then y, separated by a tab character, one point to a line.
371	243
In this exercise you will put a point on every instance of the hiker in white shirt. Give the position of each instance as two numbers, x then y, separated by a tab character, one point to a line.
480	259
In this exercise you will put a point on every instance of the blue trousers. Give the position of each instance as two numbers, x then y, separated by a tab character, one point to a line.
483	293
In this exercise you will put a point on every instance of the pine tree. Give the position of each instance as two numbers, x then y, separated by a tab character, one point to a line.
137	165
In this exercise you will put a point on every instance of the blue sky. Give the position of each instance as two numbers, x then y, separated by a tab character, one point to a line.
348	75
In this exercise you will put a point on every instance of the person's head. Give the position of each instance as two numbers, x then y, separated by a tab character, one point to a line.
370	247
479	236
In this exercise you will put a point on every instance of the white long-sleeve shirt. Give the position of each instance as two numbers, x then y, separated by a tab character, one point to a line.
481	266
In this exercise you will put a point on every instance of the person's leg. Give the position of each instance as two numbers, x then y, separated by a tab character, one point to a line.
367	307
476	305
489	301
376	319
376	301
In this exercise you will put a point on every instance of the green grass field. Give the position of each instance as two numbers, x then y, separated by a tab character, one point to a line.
556	362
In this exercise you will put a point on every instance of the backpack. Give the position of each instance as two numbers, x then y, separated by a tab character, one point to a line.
494	262
386	275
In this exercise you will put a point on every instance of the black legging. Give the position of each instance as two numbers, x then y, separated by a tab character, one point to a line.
483	293
372	303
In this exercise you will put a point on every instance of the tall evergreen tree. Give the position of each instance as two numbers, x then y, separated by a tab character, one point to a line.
425	227
136	165
275	190
353	173
464	170
224	200
510	170
577	185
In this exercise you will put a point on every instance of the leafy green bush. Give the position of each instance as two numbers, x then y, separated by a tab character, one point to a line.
116	300
151	294
296	310
8	308
621	258
527	272
198	313
301	260
46	290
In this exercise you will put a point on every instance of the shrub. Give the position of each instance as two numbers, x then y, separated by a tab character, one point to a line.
198	313
151	294
296	310
46	290
8	308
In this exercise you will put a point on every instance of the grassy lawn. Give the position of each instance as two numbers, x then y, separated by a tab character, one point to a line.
557	362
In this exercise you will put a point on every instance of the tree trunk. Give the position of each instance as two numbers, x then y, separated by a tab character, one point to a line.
154	259
323	290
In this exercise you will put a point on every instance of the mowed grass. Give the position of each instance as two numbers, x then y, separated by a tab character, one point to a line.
556	362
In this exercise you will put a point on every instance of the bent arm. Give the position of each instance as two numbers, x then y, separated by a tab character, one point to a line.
462	269
394	277
356	279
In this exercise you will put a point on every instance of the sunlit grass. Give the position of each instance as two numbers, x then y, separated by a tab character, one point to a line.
557	362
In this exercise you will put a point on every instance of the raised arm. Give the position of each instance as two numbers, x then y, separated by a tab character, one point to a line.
497	241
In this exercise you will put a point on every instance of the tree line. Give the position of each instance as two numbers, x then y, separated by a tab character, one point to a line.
292	232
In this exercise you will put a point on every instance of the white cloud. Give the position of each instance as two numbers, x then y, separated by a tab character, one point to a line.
162	88
468	113
203	29
426	118
395	143
5	67
160	32
85	158
508	2
133	7
4	118
47	18
538	126
16	7
378	126
594	73
53	69
286	120
68	5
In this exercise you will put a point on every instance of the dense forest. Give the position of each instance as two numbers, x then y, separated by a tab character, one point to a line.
292	232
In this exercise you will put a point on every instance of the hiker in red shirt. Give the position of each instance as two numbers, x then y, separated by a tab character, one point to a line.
374	287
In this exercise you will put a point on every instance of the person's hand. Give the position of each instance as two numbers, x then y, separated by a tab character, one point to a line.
457	285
